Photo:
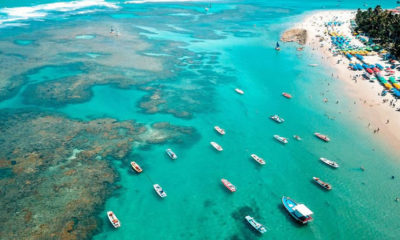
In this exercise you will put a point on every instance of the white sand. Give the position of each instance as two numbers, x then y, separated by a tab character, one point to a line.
373	112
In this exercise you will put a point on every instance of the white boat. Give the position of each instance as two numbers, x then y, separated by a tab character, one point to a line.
277	119
258	226
216	146
240	91
136	167
113	219
329	162
297	137
219	130
281	139
171	154
258	159
228	185
159	191
313	65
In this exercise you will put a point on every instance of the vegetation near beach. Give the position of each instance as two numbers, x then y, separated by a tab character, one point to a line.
382	25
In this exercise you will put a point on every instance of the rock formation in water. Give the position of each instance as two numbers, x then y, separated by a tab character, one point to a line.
295	35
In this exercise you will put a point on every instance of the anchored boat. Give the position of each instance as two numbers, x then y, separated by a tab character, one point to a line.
297	137
322	137
321	183
277	47
219	130
159	191
228	185
113	219
240	91
258	226
136	167
277	119
258	159
281	139
298	211
286	95
329	162
171	154
216	146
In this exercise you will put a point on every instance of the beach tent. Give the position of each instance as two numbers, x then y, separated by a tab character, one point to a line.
396	93
388	85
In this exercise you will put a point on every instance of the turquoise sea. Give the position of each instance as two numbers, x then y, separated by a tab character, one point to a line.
208	55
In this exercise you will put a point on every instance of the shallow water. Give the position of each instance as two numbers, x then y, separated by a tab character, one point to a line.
200	59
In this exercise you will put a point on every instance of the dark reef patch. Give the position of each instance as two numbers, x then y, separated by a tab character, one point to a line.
77	88
246	231
59	172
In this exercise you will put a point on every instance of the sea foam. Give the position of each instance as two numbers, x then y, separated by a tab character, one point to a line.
42	10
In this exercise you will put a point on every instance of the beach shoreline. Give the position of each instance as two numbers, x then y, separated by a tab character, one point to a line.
377	117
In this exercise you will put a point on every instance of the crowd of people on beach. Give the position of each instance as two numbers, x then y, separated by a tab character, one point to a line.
320	44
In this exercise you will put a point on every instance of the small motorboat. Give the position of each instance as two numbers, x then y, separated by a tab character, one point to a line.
219	130
258	226
171	154
228	185
323	184
113	219
286	95
216	146
313	65
322	137
298	138
277	119
159	191
329	162
298	211
281	139
258	159
240	91
136	167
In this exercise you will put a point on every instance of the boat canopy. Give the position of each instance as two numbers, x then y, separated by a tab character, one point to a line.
301	208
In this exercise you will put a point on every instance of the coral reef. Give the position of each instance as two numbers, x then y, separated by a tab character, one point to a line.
59	171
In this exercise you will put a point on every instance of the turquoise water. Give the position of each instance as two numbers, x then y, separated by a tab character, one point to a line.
361	204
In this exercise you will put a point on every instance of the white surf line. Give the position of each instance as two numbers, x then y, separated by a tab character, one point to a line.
42	10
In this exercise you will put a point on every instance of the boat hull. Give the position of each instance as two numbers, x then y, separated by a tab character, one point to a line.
219	130
216	146
136	167
228	185
113	219
171	154
257	226
160	192
322	184
281	139
258	159
289	204
330	163
322	137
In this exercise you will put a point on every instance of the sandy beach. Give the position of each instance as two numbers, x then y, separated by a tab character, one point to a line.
375	111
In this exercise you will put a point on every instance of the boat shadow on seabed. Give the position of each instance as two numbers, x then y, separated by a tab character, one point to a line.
289	218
